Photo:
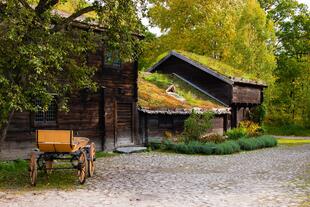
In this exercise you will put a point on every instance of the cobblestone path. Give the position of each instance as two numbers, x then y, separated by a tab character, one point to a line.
269	177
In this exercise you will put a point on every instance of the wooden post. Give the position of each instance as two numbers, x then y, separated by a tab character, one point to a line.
146	129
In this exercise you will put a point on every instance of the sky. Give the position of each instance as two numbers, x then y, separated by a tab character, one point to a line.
156	30
305	2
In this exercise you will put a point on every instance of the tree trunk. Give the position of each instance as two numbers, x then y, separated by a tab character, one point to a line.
4	129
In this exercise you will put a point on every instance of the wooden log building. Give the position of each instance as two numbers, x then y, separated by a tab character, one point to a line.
166	101
228	86
108	117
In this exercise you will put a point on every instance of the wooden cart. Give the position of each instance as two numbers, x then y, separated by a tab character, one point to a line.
62	145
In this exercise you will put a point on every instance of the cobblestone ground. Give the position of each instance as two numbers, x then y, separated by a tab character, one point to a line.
269	177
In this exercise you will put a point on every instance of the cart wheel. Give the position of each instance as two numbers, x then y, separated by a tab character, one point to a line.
33	169
49	166
82	168
91	164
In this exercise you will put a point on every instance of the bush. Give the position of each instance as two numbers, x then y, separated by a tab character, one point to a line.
236	133
257	143
196	125
201	148
251	128
208	148
227	147
212	137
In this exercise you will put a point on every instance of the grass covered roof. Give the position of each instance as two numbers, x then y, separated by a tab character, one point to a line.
153	95
214	65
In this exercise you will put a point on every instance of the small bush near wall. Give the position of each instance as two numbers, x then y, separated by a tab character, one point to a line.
209	148
246	129
236	133
252	129
196	125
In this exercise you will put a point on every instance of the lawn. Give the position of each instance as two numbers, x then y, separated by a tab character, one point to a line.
14	175
293	141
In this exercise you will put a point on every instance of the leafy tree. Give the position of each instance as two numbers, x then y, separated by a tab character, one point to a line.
291	101
235	31
42	53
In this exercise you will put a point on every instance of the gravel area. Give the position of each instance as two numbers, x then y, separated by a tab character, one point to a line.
270	177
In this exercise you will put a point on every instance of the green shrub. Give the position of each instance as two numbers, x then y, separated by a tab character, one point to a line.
196	125
236	133
154	144
202	148
257	143
251	128
227	147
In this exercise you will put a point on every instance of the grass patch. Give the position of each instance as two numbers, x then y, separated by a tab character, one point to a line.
14	175
152	93
218	66
293	141
224	148
287	130
105	154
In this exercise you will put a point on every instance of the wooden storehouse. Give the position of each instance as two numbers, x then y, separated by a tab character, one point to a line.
225	84
165	101
108	117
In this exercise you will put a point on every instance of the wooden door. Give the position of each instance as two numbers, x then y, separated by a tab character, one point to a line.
124	124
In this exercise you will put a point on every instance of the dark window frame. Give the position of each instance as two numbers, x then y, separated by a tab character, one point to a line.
46	118
115	62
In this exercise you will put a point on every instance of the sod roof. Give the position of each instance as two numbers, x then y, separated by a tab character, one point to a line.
209	64
153	95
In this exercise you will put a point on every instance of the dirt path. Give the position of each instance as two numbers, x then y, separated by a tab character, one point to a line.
270	177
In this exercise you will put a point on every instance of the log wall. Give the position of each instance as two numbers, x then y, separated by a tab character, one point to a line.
108	117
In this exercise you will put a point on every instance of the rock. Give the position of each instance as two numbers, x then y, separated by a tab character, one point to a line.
128	150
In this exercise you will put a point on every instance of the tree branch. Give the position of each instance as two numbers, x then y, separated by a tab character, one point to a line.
71	18
26	5
45	5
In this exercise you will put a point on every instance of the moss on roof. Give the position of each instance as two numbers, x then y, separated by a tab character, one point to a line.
153	96
213	64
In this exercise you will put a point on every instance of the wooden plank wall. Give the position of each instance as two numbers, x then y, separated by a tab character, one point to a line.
152	125
246	94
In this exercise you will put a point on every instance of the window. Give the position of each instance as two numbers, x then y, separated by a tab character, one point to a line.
112	59
46	117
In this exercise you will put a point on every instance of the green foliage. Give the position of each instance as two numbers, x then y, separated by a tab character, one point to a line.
236	133
258	114
290	101
196	125
234	32
286	129
251	128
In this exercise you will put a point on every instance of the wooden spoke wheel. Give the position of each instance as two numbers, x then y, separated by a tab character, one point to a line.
33	169
82	168
48	166
91	164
